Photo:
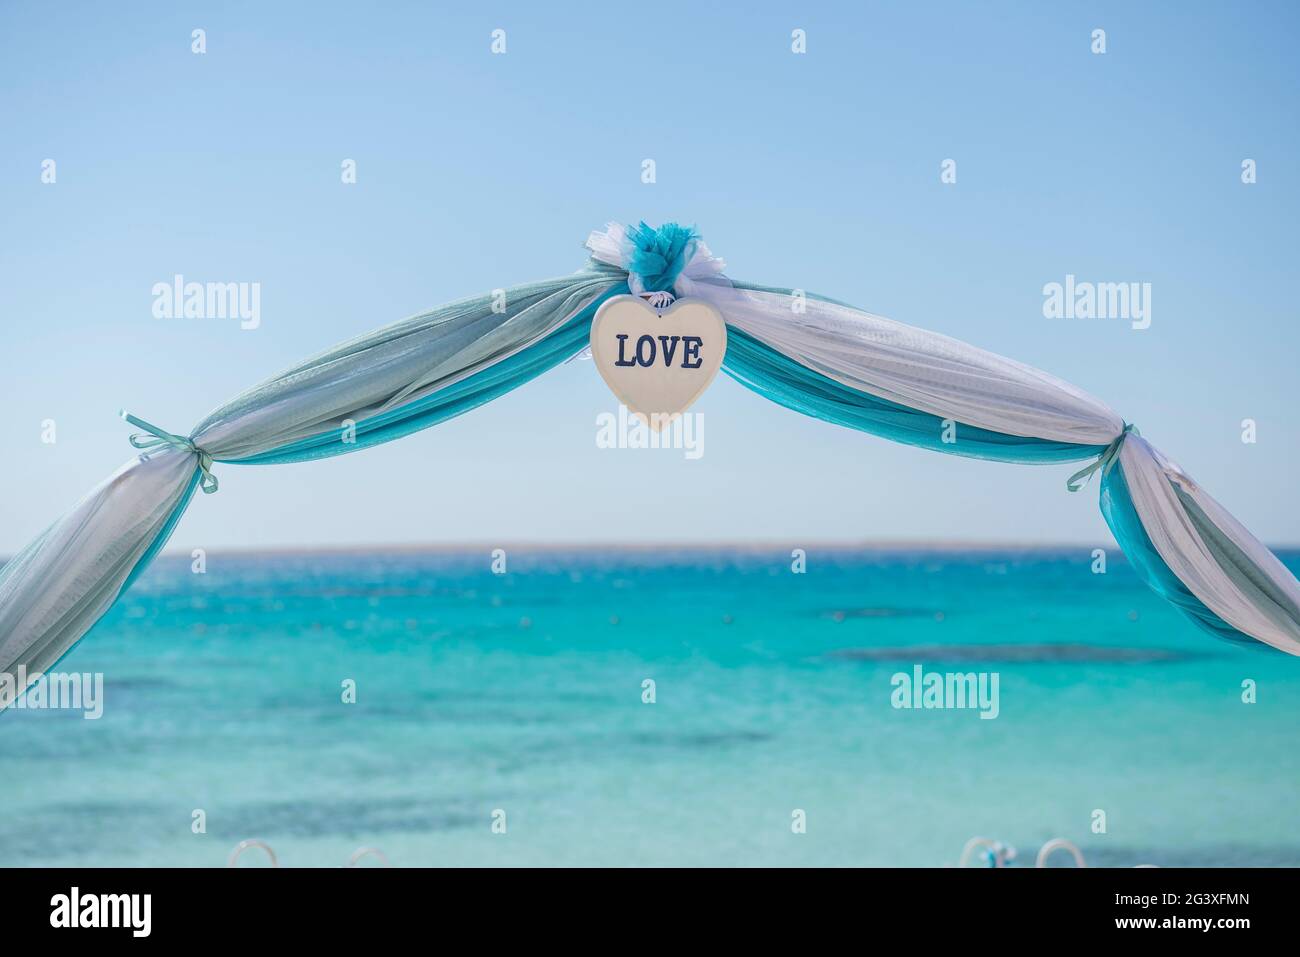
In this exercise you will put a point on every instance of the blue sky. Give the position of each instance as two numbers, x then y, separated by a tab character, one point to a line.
477	170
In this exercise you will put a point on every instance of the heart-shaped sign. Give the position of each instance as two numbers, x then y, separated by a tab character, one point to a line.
657	364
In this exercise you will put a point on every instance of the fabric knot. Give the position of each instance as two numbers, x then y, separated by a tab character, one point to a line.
1103	462
159	437
656	257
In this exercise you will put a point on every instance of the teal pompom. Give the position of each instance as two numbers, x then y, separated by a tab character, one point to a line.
658	256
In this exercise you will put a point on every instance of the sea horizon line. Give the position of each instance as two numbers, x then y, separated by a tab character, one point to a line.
951	546
935	545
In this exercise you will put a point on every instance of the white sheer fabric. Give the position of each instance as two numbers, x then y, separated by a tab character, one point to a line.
53	591
921	370
394	366
912	367
1220	562
60	585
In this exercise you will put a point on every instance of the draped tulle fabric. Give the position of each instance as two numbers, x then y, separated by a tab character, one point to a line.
58	586
380	382
378	387
831	361
780	378
816	356
1241	589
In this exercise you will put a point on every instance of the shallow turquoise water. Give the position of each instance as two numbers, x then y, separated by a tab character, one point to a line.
523	692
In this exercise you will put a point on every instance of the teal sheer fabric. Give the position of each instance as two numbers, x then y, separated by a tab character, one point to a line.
1126	525
461	397
379	381
456	400
1262	590
55	590
775	376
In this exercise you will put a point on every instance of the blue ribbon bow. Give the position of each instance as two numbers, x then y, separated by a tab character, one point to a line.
160	437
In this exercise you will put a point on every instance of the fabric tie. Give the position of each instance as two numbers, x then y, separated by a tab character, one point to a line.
1103	463
159	437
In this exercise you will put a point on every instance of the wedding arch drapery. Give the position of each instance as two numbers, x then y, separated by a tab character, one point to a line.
810	354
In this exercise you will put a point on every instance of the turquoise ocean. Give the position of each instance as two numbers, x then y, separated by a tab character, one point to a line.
520	699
